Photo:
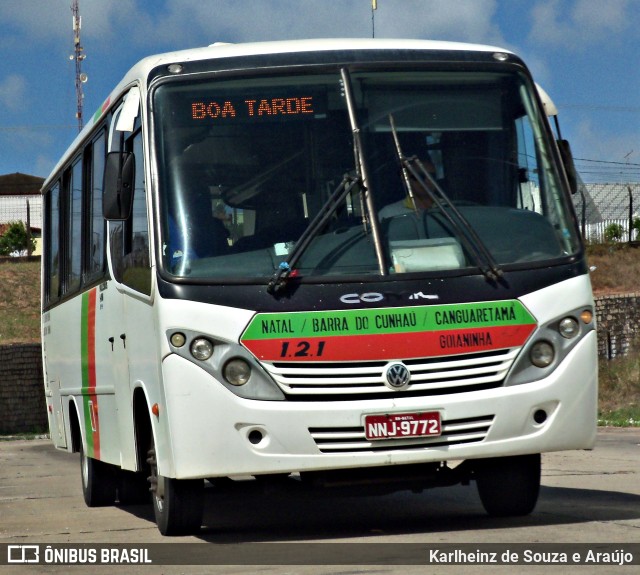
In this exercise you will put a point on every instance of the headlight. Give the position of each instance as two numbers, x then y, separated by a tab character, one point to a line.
237	371
542	354
201	349
568	328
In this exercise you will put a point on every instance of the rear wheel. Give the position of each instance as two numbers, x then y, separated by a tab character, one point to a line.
177	503
99	481
509	486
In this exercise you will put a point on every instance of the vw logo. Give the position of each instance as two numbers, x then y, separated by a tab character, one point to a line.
397	375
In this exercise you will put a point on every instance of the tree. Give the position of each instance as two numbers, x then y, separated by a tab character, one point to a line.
613	232
16	239
636	226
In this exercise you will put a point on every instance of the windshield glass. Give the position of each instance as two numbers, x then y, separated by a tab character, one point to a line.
246	164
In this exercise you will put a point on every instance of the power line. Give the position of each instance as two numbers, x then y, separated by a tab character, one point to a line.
27	128
606	162
601	107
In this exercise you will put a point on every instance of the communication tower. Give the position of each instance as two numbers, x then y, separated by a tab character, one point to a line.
78	56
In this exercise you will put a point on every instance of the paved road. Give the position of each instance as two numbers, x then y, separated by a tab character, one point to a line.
588	497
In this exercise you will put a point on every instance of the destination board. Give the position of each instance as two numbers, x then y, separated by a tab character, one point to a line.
388	333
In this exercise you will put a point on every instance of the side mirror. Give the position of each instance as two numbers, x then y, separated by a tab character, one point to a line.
119	181
569	166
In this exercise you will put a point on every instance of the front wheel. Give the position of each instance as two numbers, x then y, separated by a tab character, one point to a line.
177	503
509	486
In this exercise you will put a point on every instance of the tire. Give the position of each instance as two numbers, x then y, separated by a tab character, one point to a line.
178	504
99	481
509	486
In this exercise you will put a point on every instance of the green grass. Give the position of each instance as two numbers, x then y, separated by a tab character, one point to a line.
619	390
625	417
19	301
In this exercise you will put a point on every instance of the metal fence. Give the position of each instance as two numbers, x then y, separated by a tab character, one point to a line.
598	206
606	210
26	209
17	208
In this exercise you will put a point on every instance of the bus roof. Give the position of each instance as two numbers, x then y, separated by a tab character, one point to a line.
140	71
227	50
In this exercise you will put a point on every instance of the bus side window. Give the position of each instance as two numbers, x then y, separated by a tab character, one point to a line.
137	267
95	232
73	227
130	238
52	243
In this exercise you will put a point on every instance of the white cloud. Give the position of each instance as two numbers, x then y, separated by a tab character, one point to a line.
182	23
42	19
602	17
43	165
123	22
51	20
13	91
200	22
582	23
591	141
463	20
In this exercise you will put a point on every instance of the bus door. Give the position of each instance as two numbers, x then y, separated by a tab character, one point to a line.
55	412
128	297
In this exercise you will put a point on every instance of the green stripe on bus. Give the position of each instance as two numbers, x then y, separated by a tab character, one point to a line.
84	367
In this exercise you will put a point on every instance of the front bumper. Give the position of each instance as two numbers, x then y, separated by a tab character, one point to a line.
212	432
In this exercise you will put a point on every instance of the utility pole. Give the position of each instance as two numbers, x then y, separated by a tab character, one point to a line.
78	56
374	7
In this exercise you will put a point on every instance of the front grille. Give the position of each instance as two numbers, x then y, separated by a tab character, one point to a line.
353	440
360	380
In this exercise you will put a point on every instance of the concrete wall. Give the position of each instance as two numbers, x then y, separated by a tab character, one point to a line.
23	409
618	324
22	405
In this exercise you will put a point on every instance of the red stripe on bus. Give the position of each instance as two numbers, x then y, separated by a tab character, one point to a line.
390	346
92	398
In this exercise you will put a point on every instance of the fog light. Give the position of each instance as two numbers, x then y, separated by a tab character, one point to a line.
201	349
540	416
586	316
255	437
237	372
178	339
541	354
568	328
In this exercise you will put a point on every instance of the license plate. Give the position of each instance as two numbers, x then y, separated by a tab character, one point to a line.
402	425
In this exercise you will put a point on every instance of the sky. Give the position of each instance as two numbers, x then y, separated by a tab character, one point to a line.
585	53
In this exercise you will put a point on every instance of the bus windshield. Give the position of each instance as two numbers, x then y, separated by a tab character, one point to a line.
245	164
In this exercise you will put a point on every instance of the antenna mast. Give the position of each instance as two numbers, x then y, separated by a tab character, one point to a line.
374	7
78	56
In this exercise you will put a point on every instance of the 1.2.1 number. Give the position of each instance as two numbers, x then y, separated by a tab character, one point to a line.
302	349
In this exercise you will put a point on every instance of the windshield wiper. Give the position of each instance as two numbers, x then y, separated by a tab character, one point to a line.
466	232
286	267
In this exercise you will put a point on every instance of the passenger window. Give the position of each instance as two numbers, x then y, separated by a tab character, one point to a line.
52	277
95	222
73	233
129	239
137	267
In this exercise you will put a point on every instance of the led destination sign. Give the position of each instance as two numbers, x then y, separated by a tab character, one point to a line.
254	108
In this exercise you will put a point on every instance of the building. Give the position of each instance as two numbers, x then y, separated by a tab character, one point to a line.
21	200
